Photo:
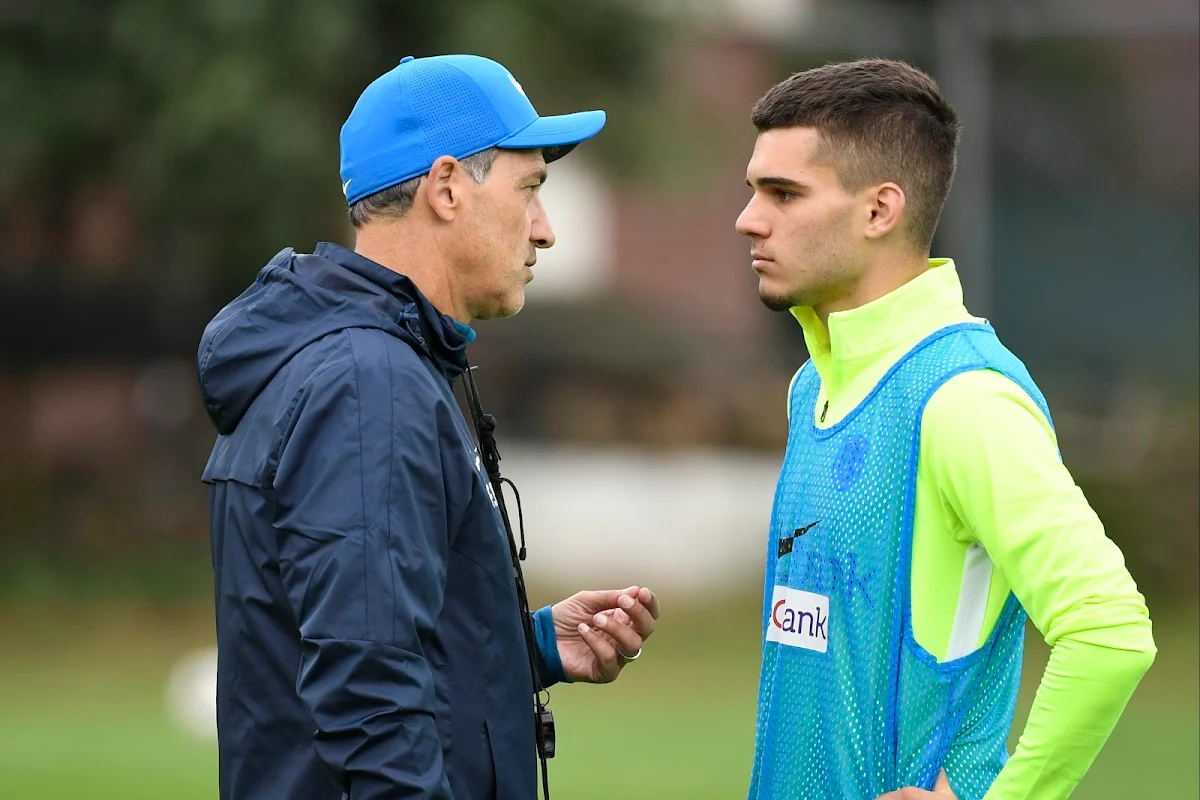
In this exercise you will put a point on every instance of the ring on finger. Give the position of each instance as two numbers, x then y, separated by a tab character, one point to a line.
627	657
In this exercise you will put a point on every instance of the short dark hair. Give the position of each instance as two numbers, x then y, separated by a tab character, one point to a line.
395	201
879	120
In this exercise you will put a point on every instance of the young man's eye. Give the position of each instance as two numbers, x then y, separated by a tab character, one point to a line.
785	196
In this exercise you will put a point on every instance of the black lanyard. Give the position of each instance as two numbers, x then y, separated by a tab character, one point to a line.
485	430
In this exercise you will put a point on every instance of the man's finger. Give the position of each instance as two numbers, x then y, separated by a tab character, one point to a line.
600	599
649	600
607	664
599	631
617	615
943	784
643	619
911	793
627	638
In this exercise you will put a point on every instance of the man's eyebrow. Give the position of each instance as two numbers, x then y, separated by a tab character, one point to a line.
773	180
539	174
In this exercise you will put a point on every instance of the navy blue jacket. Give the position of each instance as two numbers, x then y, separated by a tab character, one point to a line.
369	638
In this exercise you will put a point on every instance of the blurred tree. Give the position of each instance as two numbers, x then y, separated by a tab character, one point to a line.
212	127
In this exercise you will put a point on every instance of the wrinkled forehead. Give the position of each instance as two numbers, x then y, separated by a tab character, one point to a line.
521	160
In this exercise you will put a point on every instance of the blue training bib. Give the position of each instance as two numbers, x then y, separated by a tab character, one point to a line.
850	706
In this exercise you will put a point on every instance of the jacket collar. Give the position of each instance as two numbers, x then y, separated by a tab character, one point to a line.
442	338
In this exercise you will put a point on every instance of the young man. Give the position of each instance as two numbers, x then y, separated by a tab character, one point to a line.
372	642
922	507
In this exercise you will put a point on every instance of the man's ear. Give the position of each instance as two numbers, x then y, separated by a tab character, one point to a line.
442	187
886	208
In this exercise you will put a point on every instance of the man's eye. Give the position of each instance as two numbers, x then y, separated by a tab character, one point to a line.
786	196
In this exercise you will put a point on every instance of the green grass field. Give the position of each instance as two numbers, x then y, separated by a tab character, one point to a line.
82	714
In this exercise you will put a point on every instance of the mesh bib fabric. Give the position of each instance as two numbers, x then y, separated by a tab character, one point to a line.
850	706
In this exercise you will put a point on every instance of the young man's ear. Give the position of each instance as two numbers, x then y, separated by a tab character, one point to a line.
886	209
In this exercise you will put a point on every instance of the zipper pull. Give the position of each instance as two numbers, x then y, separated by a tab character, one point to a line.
824	411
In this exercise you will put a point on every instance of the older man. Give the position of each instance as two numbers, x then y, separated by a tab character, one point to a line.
373	633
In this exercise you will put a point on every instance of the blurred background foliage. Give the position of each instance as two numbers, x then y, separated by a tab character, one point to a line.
217	122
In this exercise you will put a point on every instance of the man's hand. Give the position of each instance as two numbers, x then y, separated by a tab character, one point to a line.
595	629
940	792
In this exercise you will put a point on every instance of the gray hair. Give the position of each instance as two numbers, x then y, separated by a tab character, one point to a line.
395	201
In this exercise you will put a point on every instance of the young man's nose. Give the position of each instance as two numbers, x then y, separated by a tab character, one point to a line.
750	223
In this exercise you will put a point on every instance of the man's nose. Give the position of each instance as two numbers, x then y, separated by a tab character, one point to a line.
540	232
749	223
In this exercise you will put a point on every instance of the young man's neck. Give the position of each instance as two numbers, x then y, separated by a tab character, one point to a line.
880	280
404	250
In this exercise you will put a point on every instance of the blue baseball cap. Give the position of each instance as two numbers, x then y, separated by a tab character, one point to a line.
456	105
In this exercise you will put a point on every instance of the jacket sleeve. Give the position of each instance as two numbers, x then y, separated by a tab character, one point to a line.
548	663
997	466
360	521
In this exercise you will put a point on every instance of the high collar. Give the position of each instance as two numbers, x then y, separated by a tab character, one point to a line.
900	319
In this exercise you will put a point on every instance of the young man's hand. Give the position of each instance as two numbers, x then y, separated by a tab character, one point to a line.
941	791
600	632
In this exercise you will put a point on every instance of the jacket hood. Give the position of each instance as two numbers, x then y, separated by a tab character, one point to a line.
300	298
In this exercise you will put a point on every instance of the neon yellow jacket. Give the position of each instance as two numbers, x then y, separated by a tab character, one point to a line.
997	511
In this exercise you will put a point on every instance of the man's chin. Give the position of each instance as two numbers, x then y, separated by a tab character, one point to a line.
514	303
774	293
511	310
776	302
505	307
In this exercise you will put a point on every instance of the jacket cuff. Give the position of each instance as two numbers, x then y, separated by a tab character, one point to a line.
549	666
